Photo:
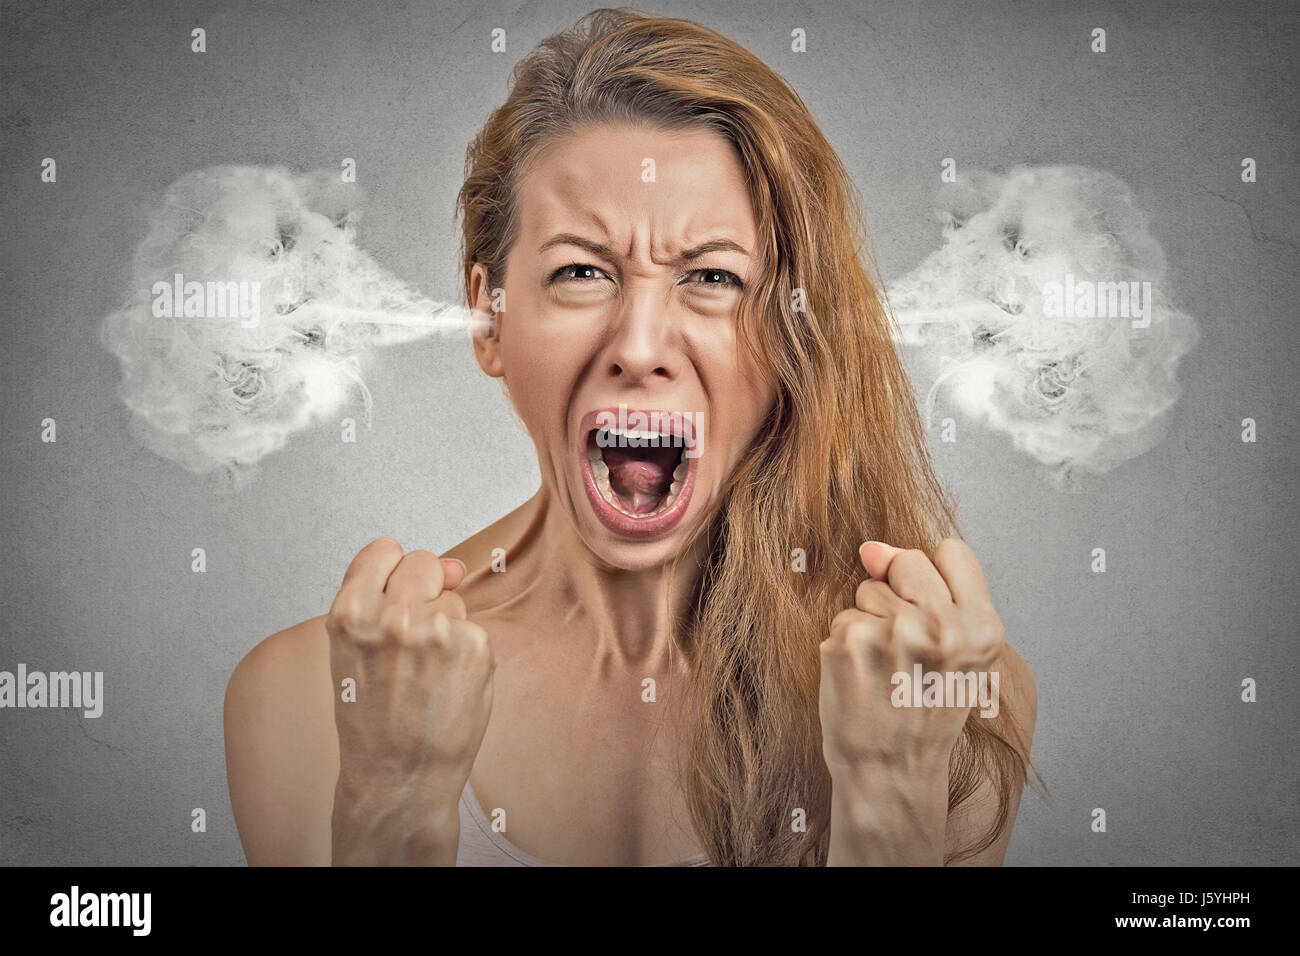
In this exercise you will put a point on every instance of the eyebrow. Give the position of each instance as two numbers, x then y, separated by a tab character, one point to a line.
687	255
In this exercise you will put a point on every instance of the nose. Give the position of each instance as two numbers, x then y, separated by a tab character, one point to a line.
643	346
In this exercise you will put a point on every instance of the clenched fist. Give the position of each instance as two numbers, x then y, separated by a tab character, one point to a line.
423	696
912	611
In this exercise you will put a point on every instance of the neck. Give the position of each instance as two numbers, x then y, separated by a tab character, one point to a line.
620	617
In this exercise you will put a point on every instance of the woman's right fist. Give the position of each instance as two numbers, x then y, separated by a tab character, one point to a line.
411	724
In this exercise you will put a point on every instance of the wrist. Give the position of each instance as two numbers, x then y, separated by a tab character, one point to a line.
915	772
886	815
398	826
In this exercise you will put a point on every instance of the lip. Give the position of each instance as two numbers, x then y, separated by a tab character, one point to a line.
616	521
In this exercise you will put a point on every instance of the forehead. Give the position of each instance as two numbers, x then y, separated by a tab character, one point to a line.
599	178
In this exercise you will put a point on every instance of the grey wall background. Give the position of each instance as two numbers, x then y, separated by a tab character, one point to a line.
1138	669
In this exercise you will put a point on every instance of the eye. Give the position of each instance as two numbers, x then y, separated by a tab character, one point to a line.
560	274
584	272
725	278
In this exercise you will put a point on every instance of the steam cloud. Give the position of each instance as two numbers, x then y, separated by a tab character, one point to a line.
251	314
1010	316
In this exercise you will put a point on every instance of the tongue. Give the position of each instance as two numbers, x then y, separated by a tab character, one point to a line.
639	481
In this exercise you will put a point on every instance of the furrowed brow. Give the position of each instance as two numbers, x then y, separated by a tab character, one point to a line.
570	239
688	255
713	245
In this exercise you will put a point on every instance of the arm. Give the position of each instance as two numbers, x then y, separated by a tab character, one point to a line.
882	816
318	780
889	760
282	749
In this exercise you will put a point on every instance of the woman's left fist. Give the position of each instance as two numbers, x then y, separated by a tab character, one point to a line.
912	611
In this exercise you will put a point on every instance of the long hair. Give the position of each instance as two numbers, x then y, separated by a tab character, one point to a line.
843	457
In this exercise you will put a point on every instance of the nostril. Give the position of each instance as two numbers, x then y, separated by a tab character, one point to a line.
637	372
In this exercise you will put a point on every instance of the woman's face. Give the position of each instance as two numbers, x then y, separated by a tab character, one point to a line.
617	335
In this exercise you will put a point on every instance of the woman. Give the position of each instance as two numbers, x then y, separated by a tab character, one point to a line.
676	640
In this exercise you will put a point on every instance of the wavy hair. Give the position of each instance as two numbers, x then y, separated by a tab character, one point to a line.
843	457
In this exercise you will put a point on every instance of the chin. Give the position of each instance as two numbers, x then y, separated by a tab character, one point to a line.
623	556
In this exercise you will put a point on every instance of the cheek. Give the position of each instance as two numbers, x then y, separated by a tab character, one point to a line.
746	413
734	413
753	402
741	392
542	356
755	385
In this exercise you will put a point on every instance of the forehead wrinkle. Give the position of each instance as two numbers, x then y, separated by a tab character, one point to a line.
567	207
569	200
694	225
691	239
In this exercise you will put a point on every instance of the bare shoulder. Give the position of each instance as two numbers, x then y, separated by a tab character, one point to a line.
282	748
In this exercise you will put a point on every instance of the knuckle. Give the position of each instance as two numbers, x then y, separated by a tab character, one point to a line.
842	620
349	613
441	637
912	558
860	632
420	556
949	638
989	628
990	638
909	624
869	593
395	622
451	604
384	545
954	547
473	636
907	565
473	642
911	630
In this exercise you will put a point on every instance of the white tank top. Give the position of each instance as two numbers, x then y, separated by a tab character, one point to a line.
481	846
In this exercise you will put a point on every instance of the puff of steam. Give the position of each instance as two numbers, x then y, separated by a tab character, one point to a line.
208	391
1078	393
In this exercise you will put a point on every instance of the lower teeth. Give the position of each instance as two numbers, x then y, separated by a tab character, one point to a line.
600	471
607	492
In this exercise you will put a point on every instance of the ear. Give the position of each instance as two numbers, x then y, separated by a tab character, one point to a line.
486	335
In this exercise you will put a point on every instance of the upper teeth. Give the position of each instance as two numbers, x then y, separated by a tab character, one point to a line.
638	434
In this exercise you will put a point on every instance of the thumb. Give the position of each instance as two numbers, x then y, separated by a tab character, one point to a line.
876	556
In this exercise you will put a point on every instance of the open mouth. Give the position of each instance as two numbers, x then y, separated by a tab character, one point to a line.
638	479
